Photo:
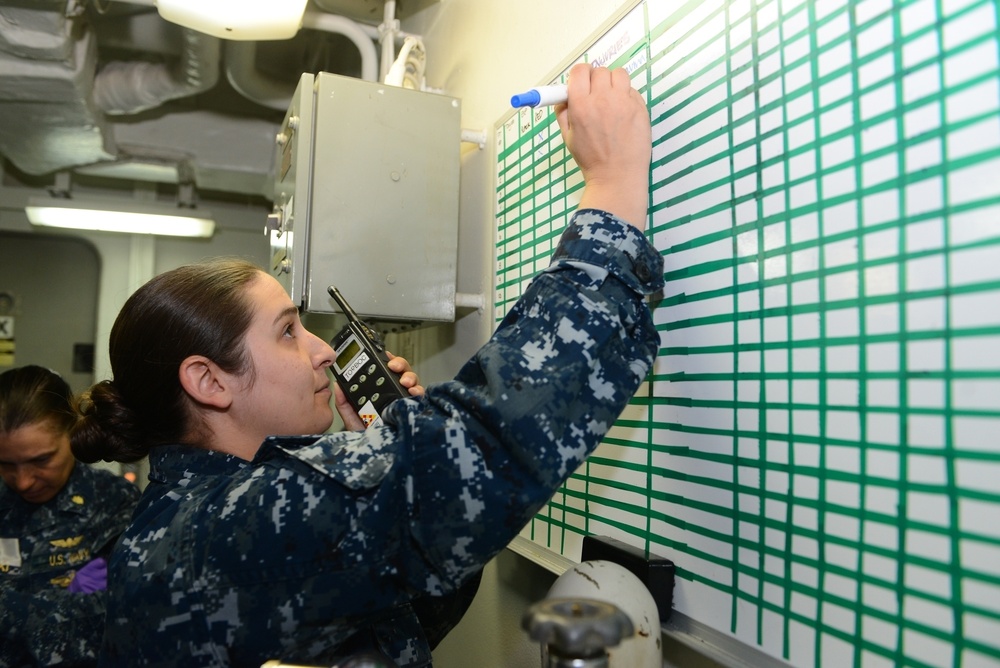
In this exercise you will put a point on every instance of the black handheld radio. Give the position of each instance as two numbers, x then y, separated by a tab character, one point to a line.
360	367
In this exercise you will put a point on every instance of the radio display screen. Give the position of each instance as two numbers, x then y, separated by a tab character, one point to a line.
348	353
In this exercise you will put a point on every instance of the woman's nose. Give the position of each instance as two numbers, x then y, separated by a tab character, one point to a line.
22	480
324	353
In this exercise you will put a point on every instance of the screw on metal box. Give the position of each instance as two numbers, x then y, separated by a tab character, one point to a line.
575	633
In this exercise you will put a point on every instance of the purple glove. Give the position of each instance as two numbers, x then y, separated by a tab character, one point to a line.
92	577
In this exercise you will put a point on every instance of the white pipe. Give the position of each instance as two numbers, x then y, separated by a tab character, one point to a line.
387	34
373	32
352	31
248	82
474	137
469	300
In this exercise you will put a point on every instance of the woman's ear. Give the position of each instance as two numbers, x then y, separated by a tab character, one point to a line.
205	382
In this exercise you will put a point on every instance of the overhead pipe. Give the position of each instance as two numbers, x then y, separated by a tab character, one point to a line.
351	30
387	35
248	82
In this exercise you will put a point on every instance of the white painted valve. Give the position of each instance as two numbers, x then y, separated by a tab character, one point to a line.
610	582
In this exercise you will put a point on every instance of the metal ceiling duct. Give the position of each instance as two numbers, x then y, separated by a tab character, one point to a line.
130	87
111	90
47	70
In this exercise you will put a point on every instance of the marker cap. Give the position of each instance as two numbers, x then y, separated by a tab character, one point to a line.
529	99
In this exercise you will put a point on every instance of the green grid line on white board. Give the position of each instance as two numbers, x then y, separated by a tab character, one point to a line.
818	445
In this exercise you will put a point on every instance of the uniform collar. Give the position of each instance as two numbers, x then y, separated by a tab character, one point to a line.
74	497
173	463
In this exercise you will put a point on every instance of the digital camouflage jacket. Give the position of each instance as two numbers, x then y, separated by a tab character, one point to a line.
41	548
323	546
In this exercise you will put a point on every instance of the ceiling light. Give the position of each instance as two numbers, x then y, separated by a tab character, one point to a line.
236	19
109	215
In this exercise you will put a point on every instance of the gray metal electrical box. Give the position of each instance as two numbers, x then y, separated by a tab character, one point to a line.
366	198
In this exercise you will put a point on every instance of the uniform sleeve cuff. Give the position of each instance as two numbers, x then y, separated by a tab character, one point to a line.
620	248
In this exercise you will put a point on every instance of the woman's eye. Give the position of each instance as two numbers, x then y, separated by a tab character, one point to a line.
289	330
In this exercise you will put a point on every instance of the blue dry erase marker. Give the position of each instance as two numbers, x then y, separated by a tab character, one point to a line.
540	96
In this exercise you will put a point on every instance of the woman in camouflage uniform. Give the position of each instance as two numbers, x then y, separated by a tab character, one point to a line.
58	522
314	548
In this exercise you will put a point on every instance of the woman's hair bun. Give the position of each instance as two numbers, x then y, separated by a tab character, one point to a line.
106	428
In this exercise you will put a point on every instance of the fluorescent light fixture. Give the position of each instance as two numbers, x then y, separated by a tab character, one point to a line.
130	217
236	19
